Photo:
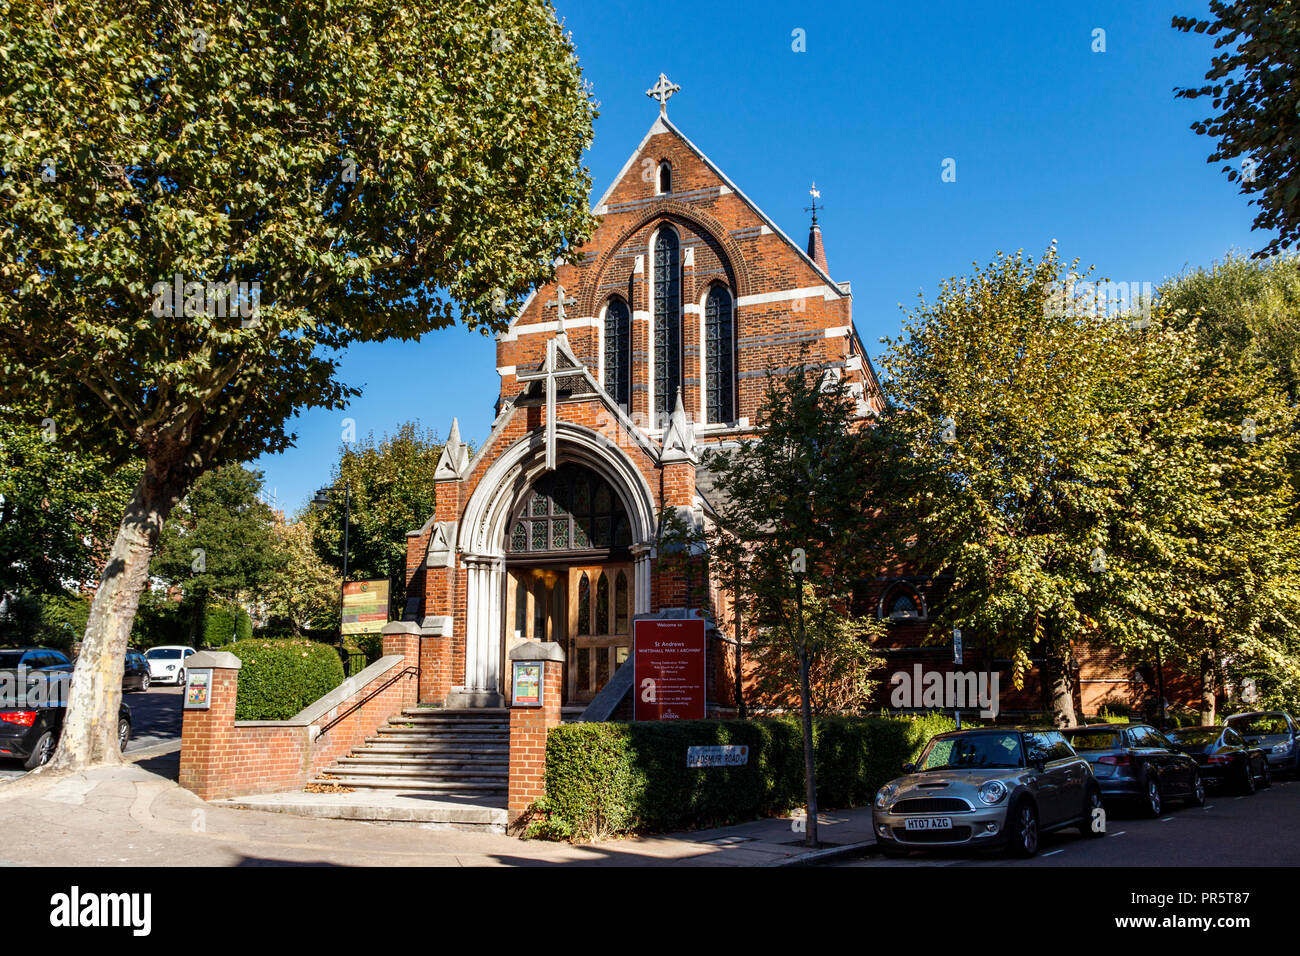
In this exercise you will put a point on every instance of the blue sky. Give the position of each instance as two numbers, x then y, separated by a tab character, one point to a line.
1051	141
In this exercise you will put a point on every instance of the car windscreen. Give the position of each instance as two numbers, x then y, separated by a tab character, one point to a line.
164	654
1259	725
1094	740
973	752
1196	736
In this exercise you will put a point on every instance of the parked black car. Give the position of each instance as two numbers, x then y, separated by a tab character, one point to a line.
1273	731
136	676
31	717
33	658
1137	762
1225	759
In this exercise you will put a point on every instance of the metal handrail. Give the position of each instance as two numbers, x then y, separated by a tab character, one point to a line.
384	686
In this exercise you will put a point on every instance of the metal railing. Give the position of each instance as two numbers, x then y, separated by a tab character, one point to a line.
364	700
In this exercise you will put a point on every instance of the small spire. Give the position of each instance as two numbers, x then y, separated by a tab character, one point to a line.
454	438
816	250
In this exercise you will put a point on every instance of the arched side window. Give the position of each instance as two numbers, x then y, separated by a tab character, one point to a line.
665	178
668	322
901	602
719	356
618	352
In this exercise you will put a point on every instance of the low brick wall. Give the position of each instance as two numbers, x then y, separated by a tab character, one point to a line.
223	757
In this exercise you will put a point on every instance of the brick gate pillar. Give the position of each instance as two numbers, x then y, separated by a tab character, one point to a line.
530	723
206	749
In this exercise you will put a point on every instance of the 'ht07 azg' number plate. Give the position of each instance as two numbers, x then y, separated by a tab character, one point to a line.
929	823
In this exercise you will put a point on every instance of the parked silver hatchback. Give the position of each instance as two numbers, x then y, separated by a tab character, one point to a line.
991	787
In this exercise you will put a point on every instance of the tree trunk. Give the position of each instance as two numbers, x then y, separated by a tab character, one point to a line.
1208	690
809	762
89	734
740	674
1061	687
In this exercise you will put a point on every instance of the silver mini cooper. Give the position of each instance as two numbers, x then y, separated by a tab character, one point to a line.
994	787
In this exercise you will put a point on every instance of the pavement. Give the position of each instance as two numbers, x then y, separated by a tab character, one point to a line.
130	815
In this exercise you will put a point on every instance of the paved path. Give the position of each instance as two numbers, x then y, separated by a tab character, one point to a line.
129	816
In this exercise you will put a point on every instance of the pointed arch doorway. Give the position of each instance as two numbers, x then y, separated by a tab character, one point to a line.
571	576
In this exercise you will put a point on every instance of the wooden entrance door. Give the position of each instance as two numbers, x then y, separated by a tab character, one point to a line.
600	626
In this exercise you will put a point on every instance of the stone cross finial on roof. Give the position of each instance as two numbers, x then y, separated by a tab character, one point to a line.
662	91
561	300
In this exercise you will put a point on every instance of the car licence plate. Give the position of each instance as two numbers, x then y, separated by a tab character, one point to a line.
928	823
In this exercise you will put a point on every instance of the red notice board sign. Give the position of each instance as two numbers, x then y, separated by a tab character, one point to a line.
668	669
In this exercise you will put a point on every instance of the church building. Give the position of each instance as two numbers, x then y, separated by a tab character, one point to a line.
655	343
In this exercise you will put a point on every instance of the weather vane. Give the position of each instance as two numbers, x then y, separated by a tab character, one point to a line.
816	195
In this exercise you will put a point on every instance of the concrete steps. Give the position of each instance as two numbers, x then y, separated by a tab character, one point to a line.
431	753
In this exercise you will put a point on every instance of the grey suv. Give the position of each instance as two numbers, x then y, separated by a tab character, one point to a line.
992	787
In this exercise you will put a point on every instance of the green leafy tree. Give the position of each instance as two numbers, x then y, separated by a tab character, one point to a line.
377	171
390	485
1247	308
797	497
303	595
1254	89
841	666
1085	477
58	509
219	545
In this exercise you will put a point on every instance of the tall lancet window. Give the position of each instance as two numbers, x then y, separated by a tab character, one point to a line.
668	322
618	351
720	356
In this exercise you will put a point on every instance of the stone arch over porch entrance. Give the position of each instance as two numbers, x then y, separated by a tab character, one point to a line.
486	523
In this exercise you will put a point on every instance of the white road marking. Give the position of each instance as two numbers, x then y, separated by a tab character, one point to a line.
1120	833
1053	853
1167	820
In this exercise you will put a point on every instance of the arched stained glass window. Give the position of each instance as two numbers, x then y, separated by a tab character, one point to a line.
620	604
618	352
720	355
668	322
584	604
602	604
571	509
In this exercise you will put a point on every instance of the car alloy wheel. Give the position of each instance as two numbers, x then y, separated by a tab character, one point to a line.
144	684
123	734
1267	780
1154	803
42	752
180	678
1026	832
1198	791
1248	783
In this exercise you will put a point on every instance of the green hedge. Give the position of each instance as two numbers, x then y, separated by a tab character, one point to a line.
280	678
608	778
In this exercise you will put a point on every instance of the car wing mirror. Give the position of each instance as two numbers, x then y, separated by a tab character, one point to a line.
909	768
